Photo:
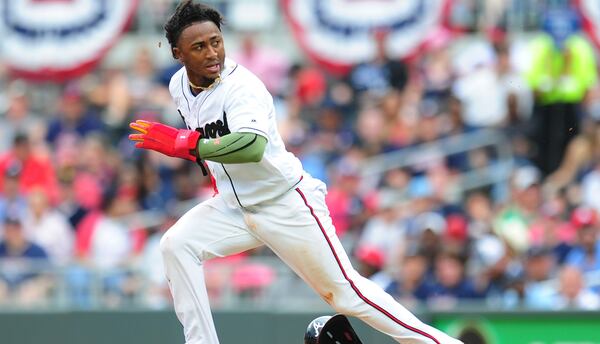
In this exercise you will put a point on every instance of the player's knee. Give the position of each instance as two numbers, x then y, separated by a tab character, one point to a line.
343	301
172	243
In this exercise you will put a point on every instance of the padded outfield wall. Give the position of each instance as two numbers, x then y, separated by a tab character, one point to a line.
162	327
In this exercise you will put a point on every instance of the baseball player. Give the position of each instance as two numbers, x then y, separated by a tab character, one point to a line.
264	196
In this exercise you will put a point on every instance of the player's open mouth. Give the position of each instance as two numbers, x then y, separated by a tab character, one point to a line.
216	68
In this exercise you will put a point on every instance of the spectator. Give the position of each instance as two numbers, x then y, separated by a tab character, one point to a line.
513	222
380	75
371	263
479	86
48	228
106	245
581	154
18	117
270	65
572	292
586	254
425	231
563	69
21	277
491	265
540	267
12	201
408	286
75	118
450	282
383	230
35	171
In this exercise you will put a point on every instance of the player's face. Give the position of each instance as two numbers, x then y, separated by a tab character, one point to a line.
201	50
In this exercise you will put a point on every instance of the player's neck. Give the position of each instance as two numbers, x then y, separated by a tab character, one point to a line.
197	88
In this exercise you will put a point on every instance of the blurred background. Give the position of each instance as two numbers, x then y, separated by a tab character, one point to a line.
460	141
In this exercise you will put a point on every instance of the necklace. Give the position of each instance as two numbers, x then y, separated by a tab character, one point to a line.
196	87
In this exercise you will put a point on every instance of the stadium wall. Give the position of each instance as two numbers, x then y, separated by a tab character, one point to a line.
160	327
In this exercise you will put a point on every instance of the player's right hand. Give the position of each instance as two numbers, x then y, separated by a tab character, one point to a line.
179	143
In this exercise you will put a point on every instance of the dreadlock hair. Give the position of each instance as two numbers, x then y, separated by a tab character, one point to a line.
186	14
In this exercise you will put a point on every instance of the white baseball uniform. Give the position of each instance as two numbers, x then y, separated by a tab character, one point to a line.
274	203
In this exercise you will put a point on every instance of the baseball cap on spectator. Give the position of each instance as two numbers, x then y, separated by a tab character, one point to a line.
347	168
371	255
456	227
560	23
311	85
388	199
430	221
489	249
72	91
429	107
583	217
14	169
12	219
538	251
525	177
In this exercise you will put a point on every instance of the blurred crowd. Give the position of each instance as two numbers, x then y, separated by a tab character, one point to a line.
82	211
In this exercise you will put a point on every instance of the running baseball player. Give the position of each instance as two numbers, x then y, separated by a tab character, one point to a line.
264	196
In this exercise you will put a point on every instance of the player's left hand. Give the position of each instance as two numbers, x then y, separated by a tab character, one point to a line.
179	143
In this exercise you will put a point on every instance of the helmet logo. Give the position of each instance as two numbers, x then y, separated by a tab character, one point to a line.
318	326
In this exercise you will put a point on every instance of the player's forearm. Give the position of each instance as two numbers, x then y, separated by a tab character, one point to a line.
234	148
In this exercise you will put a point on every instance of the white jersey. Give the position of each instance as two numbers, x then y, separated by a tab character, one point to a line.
239	103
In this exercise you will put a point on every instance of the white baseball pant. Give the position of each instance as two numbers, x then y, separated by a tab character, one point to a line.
298	228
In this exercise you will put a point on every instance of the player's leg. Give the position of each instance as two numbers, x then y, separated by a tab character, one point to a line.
210	229
299	230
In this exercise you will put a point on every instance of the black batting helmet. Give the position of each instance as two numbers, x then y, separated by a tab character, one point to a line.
314	328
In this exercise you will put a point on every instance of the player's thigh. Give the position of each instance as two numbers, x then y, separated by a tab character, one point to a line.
299	230
210	229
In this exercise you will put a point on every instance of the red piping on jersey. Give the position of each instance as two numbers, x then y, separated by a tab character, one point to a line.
354	287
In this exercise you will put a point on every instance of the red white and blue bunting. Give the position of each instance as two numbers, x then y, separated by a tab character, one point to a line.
590	14
339	33
60	39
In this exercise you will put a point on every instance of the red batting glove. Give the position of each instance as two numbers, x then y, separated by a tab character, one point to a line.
179	143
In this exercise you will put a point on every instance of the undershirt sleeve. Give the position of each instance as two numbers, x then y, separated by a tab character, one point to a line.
234	148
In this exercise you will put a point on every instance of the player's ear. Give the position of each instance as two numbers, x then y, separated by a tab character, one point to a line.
176	53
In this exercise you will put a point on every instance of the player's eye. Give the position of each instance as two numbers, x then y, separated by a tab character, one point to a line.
216	43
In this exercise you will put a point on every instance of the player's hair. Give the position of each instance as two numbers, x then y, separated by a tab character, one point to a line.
186	14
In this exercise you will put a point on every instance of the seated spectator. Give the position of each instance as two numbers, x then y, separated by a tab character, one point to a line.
426	232
513	222
450	283
380	75
48	228
74	118
554	229
572	292
270	65
35	171
590	186
540	265
371	261
492	266
586	254
384	230
21	261
12	201
408	286
18	117
105	245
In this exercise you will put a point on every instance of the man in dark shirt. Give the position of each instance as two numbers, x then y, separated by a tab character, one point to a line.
20	264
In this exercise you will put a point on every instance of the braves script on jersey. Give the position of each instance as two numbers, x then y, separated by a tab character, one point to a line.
239	103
